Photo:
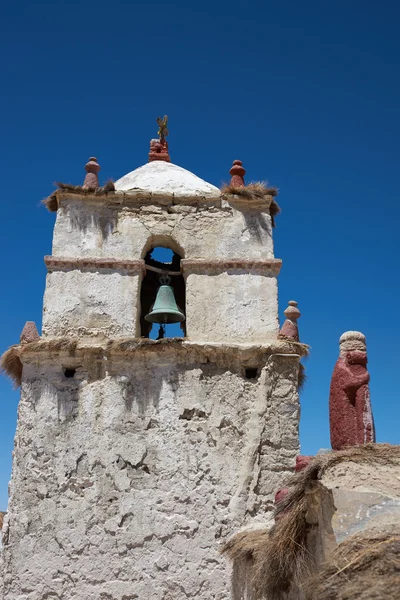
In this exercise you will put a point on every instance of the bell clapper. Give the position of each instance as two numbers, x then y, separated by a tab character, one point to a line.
161	332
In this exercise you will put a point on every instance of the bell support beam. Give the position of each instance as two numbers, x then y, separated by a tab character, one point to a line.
270	266
188	265
57	263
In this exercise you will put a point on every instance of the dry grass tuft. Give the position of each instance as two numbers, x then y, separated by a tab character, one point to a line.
11	365
302	377
1	519
279	558
254	191
260	189
365	565
108	186
274	210
276	558
51	202
79	189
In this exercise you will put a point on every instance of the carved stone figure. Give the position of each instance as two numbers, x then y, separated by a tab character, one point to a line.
350	413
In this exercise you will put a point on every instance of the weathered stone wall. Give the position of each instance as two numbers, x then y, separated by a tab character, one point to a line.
228	265
86	229
233	306
127	476
97	302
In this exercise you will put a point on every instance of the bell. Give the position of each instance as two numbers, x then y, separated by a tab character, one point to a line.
165	309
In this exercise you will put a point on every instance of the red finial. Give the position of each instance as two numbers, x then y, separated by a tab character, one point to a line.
238	172
159	150
290	328
91	178
29	333
302	462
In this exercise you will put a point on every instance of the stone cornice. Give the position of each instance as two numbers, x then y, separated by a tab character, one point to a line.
138	198
59	263
244	203
270	266
174	350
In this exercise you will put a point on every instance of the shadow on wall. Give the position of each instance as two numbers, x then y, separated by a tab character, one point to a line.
142	392
105	221
257	225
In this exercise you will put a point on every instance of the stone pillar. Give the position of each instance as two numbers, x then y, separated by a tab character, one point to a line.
350	413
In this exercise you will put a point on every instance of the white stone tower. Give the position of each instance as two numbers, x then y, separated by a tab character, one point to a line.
134	458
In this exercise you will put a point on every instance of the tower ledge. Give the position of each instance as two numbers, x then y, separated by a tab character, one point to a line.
78	351
138	197
271	266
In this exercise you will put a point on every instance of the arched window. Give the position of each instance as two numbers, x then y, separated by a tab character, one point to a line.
161	260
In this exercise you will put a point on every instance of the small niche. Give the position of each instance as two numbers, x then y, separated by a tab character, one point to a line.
69	372
251	372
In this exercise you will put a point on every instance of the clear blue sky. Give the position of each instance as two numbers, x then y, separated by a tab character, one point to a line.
307	94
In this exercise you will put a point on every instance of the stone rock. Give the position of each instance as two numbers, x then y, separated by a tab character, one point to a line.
365	495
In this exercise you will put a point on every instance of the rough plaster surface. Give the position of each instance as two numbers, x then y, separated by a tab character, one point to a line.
96	303
195	230
158	176
226	307
128	476
232	306
364	495
235	306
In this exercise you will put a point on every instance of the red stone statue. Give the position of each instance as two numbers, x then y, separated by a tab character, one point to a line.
350	412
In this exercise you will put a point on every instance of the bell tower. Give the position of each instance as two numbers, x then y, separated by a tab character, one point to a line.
136	458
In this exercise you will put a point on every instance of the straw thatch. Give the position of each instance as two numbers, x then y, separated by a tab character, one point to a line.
276	558
365	565
51	202
254	191
302	377
11	365
280	558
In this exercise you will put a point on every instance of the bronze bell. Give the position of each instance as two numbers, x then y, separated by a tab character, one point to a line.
165	309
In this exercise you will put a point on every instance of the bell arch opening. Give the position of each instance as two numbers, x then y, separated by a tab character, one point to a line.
162	294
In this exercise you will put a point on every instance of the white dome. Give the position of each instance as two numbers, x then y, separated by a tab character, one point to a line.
159	176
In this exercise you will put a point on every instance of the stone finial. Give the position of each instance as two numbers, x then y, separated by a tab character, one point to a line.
91	178
302	461
159	150
237	172
29	333
290	328
350	411
280	496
